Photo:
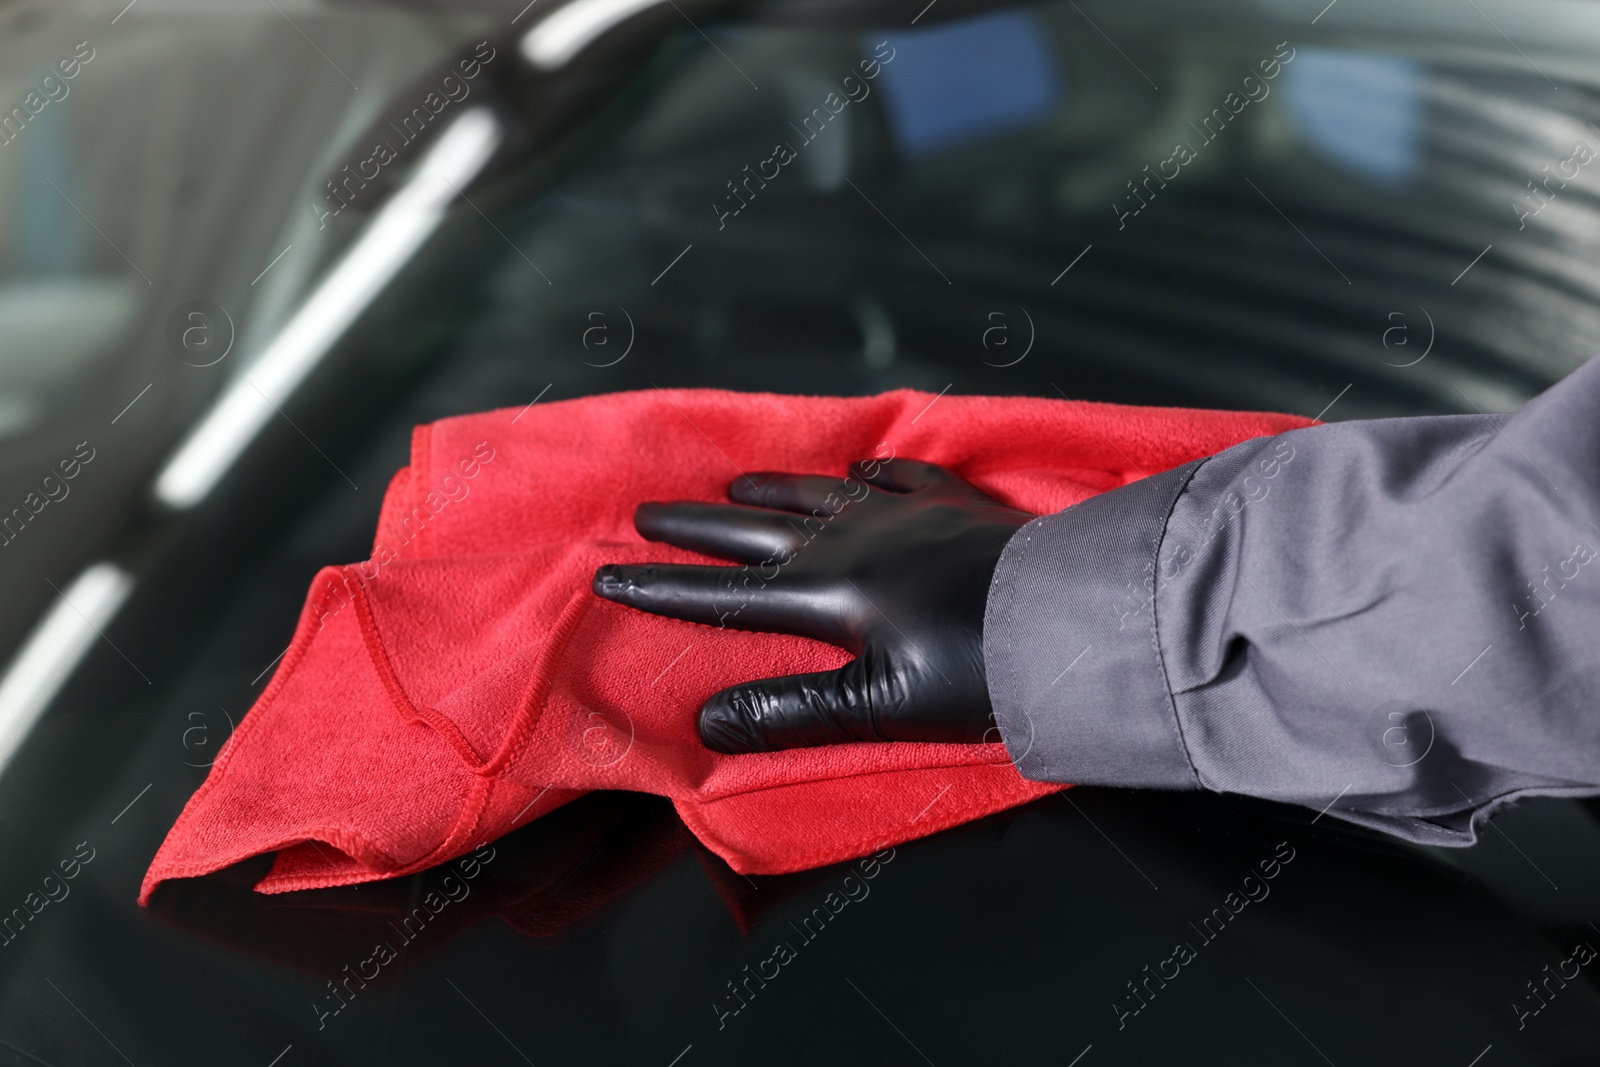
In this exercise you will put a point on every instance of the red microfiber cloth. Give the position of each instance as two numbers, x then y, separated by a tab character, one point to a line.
465	680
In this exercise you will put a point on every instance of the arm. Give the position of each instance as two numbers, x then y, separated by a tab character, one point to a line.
1398	620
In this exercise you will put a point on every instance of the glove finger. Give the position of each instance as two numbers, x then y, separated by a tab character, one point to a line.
904	475
914	475
804	493
749	535
795	711
734	597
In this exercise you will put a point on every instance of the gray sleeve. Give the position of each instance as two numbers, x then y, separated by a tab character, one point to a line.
1395	621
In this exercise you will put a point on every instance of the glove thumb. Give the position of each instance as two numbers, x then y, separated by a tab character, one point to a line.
795	711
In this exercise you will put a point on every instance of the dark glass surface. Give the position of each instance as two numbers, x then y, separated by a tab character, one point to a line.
1360	241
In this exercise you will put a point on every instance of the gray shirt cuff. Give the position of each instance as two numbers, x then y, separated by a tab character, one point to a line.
1077	683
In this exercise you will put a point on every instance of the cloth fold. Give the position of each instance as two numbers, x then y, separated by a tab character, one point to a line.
464	681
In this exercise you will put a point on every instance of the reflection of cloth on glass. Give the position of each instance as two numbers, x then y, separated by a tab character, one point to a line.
465	680
539	882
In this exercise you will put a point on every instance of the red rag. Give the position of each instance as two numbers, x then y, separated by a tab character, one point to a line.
464	680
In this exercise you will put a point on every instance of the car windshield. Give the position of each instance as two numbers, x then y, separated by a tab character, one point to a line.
245	247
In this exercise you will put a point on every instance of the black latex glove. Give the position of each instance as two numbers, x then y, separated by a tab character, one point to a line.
892	563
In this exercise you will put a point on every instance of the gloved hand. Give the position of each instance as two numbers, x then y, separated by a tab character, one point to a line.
892	563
